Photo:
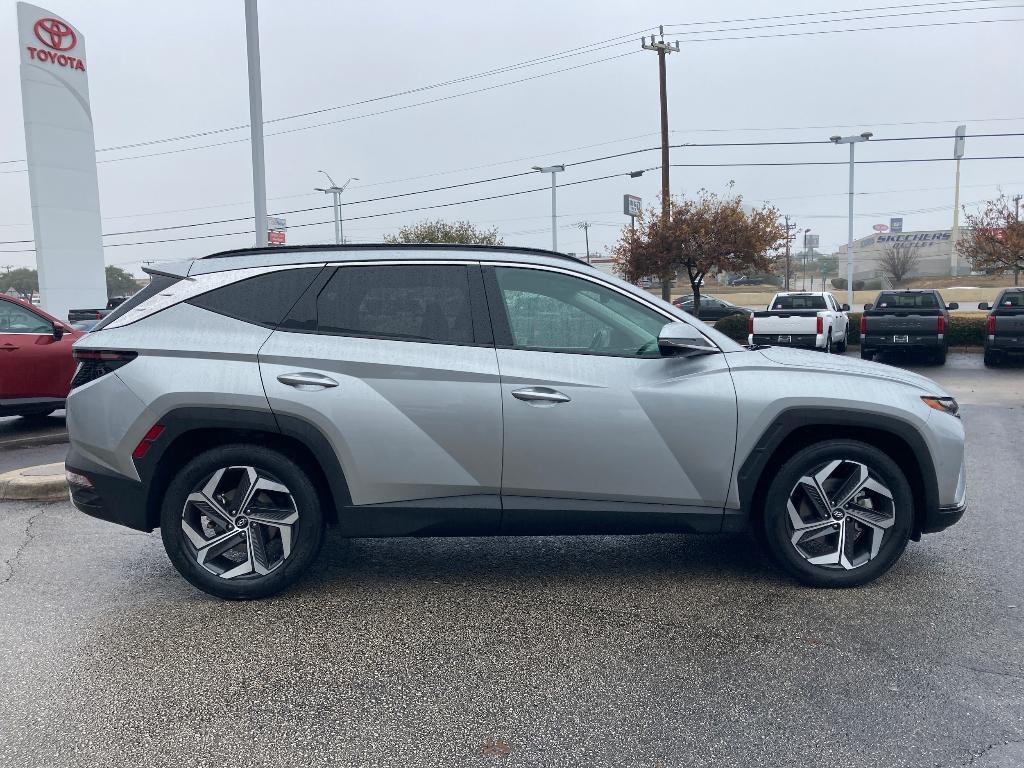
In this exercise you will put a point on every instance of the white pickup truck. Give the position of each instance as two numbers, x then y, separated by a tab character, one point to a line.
801	319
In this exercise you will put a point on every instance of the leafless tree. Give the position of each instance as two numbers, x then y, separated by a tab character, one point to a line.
898	260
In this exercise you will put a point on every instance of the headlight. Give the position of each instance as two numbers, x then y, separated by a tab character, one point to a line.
944	404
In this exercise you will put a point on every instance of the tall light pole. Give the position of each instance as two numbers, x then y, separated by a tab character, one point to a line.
803	262
958	153
259	172
553	170
336	191
853	141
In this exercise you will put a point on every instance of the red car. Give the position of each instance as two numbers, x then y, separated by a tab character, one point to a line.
35	360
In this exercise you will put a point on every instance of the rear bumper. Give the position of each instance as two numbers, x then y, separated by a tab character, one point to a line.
1005	344
110	497
886	341
803	340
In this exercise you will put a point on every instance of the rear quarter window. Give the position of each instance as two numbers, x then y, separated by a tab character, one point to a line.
157	284
262	300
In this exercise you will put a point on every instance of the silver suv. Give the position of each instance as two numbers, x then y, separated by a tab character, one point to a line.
244	401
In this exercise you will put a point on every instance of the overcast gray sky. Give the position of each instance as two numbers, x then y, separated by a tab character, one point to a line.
159	70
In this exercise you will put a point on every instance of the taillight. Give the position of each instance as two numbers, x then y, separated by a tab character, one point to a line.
990	325
750	323
147	441
821	324
863	325
942	324
94	363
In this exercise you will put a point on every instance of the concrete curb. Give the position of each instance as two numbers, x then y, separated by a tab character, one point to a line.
42	483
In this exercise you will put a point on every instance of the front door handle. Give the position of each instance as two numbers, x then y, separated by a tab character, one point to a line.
307	380
8	347
541	394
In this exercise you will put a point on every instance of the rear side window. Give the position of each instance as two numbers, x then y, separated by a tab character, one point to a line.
799	302
907	301
156	284
262	300
409	302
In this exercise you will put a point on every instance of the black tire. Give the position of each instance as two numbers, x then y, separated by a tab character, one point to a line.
841	347
991	359
828	344
777	531
866	354
939	358
307	533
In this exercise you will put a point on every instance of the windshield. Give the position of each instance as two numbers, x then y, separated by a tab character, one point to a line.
907	300
799	302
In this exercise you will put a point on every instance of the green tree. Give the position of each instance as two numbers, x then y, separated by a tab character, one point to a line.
704	235
24	280
441	231
120	282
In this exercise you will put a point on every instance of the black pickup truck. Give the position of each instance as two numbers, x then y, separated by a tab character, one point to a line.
1004	328
77	315
906	319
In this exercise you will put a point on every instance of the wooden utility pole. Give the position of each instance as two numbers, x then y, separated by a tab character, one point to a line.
585	226
663	49
790	228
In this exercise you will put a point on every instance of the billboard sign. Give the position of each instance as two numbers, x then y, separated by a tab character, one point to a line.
632	205
959	141
811	241
61	157
277	222
896	224
275	237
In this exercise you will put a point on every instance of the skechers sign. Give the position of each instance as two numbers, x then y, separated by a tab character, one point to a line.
57	37
916	238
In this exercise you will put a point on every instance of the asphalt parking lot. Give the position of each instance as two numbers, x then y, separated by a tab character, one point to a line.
597	651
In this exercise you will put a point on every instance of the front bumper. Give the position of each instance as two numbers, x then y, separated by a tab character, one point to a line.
110	497
942	517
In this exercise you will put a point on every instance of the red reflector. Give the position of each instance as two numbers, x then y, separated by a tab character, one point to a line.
990	325
821	325
147	440
750	323
942	324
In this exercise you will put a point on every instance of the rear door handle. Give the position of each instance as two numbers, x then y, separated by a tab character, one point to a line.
307	380
541	394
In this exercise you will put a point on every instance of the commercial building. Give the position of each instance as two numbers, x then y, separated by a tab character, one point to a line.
933	247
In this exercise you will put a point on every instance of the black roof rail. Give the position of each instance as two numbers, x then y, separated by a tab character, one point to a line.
391	246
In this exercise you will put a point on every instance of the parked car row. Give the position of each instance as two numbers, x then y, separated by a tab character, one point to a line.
711	307
812	320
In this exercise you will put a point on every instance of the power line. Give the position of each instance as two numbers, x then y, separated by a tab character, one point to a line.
854	29
829	13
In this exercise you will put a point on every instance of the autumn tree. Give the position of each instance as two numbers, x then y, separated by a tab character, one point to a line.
993	239
703	235
898	260
441	231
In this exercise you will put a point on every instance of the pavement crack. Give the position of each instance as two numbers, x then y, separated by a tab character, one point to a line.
12	562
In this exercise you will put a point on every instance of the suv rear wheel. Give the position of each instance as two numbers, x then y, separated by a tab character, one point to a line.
241	521
838	514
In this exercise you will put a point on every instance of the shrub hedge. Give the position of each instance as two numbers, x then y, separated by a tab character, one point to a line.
966	329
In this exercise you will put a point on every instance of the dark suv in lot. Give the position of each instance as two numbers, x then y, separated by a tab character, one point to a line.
906	319
243	401
1004	326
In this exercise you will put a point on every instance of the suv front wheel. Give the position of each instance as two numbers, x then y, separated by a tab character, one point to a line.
838	514
241	521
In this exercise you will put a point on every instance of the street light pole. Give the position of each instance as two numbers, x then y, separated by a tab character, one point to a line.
259	173
852	141
335	191
553	170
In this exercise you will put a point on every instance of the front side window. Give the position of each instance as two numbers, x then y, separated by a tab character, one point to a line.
408	302
554	312
15	319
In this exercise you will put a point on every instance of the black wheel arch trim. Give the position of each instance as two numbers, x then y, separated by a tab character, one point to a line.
180	422
792	419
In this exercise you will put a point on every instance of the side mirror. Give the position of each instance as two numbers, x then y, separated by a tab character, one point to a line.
683	340
984	306
953	305
58	332
845	307
867	307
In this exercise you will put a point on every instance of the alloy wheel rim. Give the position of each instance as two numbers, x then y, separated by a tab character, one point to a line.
839	515
240	522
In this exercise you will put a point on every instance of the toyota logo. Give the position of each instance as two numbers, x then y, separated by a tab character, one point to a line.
54	33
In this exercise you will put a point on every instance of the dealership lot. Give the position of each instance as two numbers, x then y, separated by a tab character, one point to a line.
645	651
